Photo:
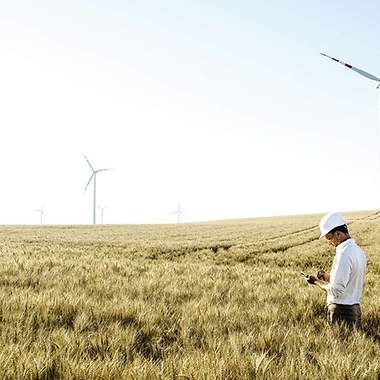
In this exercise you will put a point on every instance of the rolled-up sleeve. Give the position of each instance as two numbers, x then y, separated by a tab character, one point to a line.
339	282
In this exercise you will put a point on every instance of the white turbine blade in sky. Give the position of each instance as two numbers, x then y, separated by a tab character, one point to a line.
89	181
103	170
89	163
359	71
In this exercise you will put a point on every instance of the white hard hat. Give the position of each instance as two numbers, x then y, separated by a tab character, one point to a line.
329	222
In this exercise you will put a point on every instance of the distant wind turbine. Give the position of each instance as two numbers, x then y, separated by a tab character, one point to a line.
93	176
42	213
359	71
178	212
101	213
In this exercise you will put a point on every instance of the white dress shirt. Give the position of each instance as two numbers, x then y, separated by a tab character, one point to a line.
347	274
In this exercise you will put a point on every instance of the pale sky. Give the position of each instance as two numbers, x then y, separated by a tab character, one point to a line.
226	107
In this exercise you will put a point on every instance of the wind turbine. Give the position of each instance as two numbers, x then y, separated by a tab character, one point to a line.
359	71
101	213
41	211
178	212
93	176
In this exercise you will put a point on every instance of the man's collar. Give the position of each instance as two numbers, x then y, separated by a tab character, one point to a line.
344	244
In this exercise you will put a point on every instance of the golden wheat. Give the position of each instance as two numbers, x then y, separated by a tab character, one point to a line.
220	300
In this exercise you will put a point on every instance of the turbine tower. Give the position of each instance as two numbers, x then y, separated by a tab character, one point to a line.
42	214
178	212
93	176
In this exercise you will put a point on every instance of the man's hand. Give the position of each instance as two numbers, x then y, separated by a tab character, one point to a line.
319	280
322	275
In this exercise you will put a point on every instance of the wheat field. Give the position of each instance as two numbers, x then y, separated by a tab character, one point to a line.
217	300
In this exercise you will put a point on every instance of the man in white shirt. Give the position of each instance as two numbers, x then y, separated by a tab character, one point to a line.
344	286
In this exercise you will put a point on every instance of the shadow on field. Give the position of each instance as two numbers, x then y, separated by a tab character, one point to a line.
371	327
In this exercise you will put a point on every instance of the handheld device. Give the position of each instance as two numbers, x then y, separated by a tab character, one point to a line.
310	279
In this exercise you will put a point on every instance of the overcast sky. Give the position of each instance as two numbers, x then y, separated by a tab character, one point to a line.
224	106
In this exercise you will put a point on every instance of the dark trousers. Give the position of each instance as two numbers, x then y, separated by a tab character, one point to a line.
350	314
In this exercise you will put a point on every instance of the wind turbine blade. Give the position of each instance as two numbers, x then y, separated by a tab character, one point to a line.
92	175
359	71
365	74
102	170
89	163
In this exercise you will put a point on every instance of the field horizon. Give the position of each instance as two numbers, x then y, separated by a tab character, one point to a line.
207	300
354	213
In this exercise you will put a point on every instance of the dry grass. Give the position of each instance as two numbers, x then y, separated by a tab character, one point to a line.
220	300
